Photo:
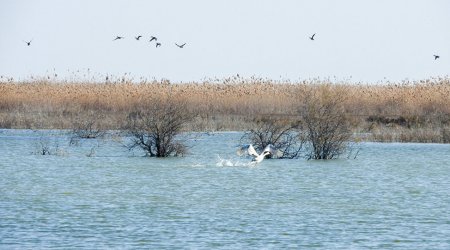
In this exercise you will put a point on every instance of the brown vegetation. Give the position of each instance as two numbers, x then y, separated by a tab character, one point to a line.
155	125
230	104
282	134
88	128
325	122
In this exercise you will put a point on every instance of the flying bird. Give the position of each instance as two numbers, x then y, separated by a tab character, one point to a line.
257	158
138	37
158	44
312	37
118	38
180	46
28	43
153	38
436	57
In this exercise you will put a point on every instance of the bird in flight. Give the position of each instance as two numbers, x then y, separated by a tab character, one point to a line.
158	44
138	37
436	57
312	37
153	38
118	38
180	46
28	43
257	158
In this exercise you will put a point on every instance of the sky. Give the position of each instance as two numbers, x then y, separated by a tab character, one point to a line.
357	40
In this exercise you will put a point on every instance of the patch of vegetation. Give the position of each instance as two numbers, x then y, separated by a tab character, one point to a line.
155	126
324	122
222	104
280	133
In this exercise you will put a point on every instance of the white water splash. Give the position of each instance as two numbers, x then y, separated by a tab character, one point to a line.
230	163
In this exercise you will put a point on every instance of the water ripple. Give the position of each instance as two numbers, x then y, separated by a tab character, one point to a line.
393	196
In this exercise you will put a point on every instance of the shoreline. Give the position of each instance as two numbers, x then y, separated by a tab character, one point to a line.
416	111
357	137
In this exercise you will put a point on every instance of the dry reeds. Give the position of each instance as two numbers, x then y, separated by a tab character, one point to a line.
227	104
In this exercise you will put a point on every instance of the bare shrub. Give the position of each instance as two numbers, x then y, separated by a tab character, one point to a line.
48	146
324	121
280	133
88	127
43	148
154	127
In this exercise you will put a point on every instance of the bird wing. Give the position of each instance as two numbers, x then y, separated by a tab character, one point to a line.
251	151
247	149
272	150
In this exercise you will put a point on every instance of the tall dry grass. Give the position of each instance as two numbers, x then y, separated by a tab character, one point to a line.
225	104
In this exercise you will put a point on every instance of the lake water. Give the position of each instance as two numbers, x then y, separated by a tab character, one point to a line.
392	196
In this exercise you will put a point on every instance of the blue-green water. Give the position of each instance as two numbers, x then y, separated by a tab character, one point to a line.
393	196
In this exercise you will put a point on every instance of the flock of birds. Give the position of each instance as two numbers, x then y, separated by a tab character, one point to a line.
158	44
152	38
138	38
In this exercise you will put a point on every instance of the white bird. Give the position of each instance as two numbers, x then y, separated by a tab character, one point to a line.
249	149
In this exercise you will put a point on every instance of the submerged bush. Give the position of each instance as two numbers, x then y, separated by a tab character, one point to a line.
282	134
48	146
87	130
324	121
154	127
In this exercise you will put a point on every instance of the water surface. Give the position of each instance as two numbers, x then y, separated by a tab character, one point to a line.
392	196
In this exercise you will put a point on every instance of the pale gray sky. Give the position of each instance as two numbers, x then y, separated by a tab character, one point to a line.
368	40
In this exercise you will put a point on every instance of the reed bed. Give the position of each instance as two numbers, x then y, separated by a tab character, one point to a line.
225	104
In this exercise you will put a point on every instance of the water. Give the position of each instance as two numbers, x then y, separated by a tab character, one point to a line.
393	196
